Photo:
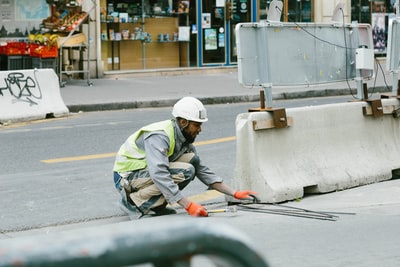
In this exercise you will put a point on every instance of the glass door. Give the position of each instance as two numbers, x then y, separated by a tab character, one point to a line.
237	11
213	32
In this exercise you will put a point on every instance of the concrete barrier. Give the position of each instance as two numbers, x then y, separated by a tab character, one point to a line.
30	94
327	148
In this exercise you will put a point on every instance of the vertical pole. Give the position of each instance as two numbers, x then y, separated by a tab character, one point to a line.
365	90
88	50
262	99
395	83
60	59
398	88
359	78
359	82
397	8
143	41
268	95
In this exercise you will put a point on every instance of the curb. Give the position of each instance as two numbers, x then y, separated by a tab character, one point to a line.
220	100
159	103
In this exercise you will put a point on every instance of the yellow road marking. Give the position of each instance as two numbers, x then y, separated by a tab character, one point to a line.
214	141
109	155
24	123
79	158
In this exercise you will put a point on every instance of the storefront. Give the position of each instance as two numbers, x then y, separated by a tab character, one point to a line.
196	33
149	34
377	13
136	35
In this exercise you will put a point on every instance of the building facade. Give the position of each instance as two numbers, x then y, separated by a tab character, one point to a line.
141	35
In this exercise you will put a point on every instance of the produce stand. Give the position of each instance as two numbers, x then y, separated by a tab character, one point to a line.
66	21
74	41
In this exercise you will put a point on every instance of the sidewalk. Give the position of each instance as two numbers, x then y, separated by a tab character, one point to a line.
220	85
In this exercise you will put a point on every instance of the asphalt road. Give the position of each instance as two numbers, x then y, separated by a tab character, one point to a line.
56	173
60	164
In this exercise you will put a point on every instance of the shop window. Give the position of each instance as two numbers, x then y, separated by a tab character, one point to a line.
361	11
377	13
263	4
145	34
298	11
293	10
149	8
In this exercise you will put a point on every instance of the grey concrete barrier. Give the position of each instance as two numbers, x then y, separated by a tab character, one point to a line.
163	242
30	94
323	149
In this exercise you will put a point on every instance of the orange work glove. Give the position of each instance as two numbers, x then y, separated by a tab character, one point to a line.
244	194
196	210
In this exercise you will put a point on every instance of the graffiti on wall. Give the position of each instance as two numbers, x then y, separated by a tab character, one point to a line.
22	88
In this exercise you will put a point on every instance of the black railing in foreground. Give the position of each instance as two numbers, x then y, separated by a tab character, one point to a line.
167	242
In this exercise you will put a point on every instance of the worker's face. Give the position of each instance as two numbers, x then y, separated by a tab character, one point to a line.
192	129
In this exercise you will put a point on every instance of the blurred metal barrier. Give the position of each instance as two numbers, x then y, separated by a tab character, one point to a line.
166	242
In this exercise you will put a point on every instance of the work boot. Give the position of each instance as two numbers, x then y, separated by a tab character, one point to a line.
163	210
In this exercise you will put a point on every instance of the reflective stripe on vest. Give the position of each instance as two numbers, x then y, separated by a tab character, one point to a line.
131	158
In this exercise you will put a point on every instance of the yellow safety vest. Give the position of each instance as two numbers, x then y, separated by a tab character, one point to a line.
131	158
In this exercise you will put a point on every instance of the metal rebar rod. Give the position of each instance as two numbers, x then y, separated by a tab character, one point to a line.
289	213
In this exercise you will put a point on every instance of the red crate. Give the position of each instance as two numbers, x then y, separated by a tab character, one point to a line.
24	48
3	49
43	51
14	49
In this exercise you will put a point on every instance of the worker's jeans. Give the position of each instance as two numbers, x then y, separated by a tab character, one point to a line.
146	195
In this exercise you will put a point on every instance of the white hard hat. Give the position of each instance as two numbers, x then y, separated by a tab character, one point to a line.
191	109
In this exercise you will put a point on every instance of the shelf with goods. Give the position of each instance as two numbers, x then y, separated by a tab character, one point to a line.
75	41
119	38
66	22
134	38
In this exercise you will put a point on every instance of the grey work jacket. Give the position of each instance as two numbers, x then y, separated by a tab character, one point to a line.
156	145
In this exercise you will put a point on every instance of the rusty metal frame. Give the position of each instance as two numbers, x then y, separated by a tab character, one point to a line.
279	119
375	108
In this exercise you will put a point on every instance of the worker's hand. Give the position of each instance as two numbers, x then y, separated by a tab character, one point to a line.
196	210
244	194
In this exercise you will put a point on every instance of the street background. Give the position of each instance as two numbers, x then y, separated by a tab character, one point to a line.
365	233
214	85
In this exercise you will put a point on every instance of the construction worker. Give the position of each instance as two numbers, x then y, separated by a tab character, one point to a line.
159	160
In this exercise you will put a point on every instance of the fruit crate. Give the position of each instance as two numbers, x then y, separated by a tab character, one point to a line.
43	51
14	48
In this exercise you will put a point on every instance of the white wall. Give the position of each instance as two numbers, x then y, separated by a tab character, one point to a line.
324	10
